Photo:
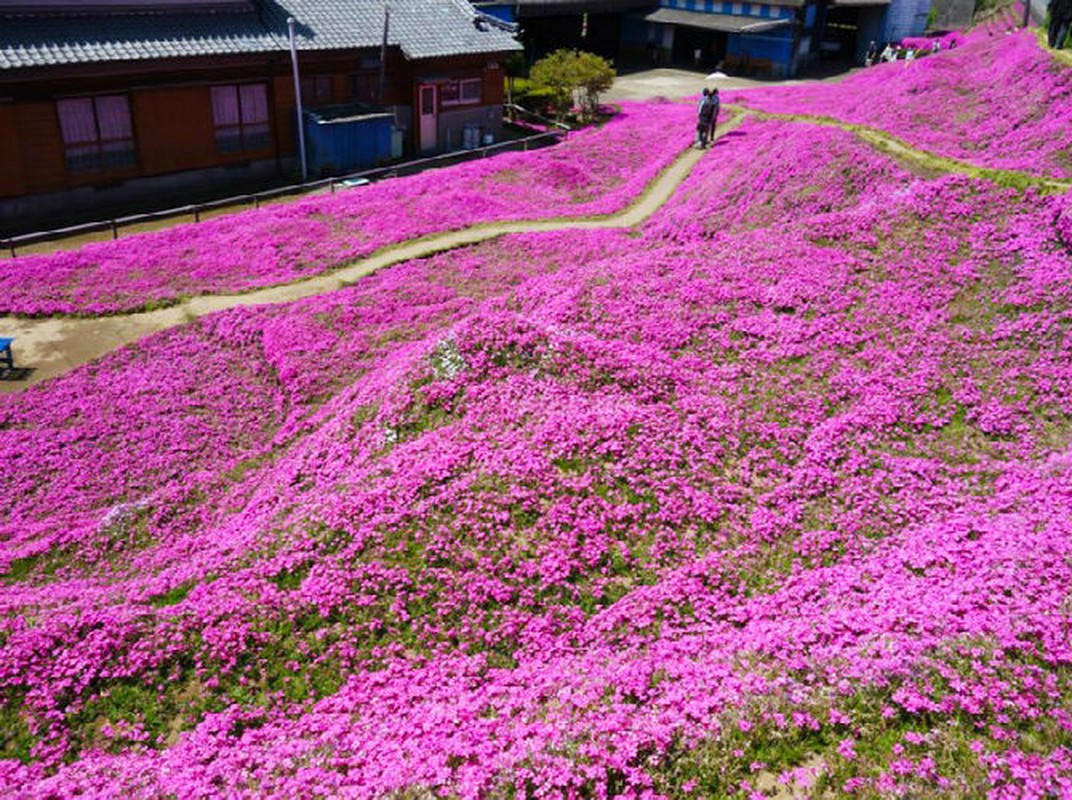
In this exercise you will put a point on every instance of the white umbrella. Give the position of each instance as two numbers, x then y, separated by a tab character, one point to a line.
717	75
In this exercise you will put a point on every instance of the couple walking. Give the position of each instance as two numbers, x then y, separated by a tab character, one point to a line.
707	116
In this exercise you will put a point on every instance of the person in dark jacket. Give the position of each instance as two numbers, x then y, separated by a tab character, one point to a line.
717	103
872	54
705	114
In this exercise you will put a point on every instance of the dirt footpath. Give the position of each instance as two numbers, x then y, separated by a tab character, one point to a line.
51	347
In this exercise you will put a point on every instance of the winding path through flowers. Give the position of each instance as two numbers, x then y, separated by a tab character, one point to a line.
55	345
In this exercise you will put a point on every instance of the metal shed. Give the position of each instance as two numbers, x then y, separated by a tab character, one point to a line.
341	139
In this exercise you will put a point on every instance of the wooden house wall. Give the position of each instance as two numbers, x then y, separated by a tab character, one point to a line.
174	129
40	146
171	109
12	177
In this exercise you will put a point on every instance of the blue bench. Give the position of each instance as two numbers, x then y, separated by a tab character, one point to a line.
5	353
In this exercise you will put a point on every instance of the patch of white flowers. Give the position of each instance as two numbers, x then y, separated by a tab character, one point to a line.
447	362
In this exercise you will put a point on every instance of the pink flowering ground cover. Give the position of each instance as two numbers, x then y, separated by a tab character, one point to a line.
596	171
775	492
764	174
995	101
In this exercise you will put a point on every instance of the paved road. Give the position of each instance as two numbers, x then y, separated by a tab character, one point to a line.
675	83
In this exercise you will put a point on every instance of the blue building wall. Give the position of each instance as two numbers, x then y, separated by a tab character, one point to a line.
503	12
778	46
775	46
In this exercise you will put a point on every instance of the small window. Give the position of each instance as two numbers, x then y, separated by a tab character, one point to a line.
240	114
428	100
316	90
472	91
97	133
364	86
456	93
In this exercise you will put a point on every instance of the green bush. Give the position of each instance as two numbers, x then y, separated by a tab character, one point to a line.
570	76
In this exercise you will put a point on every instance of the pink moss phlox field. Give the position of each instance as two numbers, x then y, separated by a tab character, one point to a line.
576	514
994	101
765	174
946	41
775	491
596	171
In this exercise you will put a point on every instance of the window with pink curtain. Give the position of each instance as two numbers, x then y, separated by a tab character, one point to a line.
97	133
240	114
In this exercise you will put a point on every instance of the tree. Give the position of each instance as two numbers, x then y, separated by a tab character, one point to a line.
572	76
555	74
515	68
594	76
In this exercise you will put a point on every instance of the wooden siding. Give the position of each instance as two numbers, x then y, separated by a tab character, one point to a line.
174	129
171	108
41	146
281	97
12	175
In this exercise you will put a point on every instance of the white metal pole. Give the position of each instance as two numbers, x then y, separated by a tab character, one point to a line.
297	100
383	52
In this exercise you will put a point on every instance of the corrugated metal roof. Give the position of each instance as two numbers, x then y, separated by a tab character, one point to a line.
728	23
421	28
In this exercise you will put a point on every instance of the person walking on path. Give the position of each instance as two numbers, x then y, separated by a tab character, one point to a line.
717	103
705	114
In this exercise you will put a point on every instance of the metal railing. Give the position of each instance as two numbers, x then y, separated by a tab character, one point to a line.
553	132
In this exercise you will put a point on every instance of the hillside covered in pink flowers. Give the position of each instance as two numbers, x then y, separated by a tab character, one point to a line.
770	496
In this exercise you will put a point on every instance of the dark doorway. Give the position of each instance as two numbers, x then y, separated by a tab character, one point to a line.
840	36
689	43
592	33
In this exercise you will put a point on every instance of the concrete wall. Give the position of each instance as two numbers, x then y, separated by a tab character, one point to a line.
906	18
452	124
954	14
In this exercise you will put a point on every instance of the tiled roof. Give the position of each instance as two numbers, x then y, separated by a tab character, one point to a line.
421	28
48	39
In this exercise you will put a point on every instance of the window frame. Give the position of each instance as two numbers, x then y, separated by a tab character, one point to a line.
363	86
251	135
313	93
455	91
103	156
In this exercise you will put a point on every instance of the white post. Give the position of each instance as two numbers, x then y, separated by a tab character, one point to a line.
382	89
297	99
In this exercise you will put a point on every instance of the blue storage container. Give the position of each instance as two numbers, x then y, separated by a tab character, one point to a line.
341	139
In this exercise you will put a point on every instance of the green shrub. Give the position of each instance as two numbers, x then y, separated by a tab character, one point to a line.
571	76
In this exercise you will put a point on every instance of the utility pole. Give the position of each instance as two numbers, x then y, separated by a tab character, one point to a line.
383	52
297	100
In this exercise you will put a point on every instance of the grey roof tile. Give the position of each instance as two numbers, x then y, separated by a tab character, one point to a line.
421	28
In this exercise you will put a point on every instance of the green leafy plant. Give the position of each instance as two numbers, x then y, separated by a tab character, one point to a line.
572	77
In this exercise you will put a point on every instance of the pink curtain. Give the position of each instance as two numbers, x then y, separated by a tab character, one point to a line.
113	116
225	106
254	103
76	121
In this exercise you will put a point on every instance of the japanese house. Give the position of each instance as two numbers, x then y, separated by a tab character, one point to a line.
122	102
